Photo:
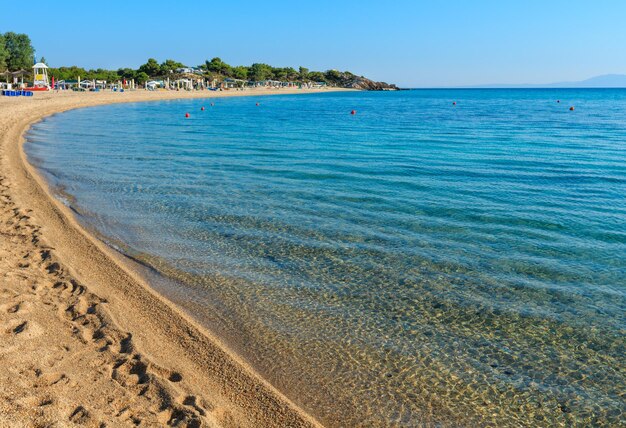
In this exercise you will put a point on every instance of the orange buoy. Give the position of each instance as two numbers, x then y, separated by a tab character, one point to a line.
571	108
186	114
202	108
353	112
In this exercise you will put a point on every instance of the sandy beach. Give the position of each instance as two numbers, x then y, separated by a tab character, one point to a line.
83	339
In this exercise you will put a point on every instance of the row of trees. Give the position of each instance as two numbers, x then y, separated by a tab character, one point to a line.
259	71
213	69
16	52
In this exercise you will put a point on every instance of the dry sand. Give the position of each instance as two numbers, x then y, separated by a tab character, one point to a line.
84	341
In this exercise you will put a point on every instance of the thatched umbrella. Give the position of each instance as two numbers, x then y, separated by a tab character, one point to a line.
15	74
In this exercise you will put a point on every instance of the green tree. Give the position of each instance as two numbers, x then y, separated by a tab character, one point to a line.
169	65
332	75
304	73
260	72
151	68
284	73
240	72
20	51
68	73
279	73
102	74
141	78
4	54
316	76
291	73
216	65
126	73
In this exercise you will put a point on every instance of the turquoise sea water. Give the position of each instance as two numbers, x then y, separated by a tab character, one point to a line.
418	263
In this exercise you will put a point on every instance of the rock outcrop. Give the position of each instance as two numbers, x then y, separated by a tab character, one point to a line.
346	79
369	85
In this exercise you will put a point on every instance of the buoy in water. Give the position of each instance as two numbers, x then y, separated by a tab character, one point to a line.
353	112
571	108
186	114
202	108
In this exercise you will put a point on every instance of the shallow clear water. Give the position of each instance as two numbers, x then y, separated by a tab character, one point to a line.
416	263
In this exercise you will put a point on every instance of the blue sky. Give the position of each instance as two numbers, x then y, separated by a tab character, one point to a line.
411	43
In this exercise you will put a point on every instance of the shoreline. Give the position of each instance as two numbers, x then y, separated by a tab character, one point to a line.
130	336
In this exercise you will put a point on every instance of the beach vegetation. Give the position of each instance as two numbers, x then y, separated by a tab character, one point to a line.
317	76
68	73
127	73
141	77
332	75
216	65
4	54
169	66
151	67
260	72
19	51
240	72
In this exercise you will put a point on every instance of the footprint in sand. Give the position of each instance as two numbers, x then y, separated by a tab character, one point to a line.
194	402
23	329
10	307
49	379
14	308
53	268
20	327
20	307
79	416
175	377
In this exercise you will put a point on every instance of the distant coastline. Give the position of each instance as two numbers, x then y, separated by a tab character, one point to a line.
607	81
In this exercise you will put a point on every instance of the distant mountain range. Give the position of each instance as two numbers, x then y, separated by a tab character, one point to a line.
604	81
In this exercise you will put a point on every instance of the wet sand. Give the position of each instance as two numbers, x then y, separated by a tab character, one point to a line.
84	340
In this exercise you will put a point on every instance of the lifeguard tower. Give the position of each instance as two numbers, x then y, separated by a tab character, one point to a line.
40	77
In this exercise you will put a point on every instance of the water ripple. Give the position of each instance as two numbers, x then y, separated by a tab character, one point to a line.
417	263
